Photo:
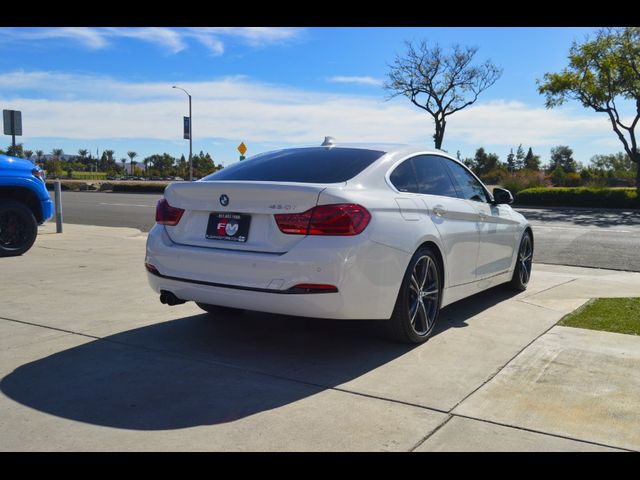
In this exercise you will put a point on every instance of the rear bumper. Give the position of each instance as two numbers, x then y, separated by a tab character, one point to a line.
367	276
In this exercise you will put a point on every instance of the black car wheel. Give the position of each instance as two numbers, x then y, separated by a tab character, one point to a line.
418	304
522	272
18	228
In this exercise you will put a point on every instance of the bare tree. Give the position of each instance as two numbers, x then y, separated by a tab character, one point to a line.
439	83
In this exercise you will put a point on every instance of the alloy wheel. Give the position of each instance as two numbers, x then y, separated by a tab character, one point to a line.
424	295
525	257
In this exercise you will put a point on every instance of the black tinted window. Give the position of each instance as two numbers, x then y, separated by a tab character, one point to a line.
404	177
305	165
433	178
468	186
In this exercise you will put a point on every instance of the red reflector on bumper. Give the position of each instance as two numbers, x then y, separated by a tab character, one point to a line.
314	288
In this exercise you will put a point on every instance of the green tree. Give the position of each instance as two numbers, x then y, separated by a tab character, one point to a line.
28	154
132	155
203	164
563	156
183	168
440	84
83	154
57	153
615	162
470	163
558	176
146	166
162	164
103	163
108	163
16	151
603	74
56	166
511	161
485	162
531	161
520	158
39	156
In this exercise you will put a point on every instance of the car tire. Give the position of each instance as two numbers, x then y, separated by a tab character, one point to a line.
18	228
418	304
218	310
522	271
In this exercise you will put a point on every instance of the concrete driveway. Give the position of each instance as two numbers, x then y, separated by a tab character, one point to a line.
90	360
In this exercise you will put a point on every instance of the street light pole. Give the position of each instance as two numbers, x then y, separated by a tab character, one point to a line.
190	135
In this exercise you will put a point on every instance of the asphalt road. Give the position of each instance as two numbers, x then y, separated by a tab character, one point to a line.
580	237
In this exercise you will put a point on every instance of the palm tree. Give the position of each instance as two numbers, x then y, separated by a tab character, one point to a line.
28	154
132	155
57	153
124	167
109	155
55	164
146	167
83	152
39	155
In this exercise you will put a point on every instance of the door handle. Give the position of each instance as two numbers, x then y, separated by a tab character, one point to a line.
439	210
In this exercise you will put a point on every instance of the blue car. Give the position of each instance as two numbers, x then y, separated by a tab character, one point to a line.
24	204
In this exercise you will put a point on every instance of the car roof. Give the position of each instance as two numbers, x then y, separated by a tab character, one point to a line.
387	148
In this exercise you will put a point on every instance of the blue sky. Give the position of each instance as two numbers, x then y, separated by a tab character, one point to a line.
100	88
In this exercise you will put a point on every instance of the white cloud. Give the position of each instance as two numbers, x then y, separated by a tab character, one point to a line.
254	36
86	107
358	80
512	123
173	40
164	37
89	37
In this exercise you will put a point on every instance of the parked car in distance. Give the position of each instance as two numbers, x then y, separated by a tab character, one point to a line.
342	232
24	204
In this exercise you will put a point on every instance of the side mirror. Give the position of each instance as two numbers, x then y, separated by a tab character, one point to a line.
502	195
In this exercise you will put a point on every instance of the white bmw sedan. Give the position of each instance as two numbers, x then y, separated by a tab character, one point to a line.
388	233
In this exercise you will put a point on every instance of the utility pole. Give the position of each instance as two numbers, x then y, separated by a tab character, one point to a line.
190	133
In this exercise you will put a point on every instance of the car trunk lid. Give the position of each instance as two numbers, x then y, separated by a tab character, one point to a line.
251	202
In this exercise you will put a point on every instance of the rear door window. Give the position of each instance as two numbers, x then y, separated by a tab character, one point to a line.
403	177
433	177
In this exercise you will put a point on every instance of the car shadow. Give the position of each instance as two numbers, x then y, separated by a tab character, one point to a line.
200	370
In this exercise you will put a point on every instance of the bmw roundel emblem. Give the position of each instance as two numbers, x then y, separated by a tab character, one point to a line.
224	200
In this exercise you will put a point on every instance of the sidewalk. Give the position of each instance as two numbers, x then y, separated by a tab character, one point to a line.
90	360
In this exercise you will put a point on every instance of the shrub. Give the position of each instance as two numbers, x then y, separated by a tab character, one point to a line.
494	177
64	186
573	179
558	176
89	175
579	197
522	179
146	187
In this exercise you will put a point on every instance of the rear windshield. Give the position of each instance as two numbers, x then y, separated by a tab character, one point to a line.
304	165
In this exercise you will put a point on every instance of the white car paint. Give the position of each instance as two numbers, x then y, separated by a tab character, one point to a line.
478	243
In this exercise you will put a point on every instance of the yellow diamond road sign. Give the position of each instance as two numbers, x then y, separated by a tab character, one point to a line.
242	148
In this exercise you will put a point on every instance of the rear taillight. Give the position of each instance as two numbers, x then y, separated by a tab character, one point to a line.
166	214
338	219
